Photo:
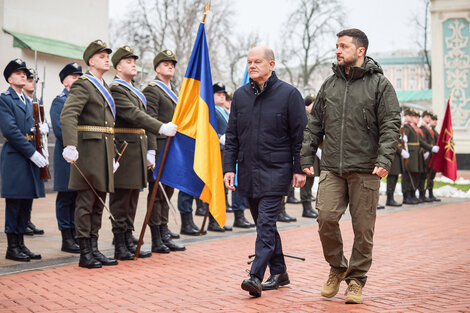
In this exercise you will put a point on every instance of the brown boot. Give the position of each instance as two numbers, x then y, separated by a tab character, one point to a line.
331	287
353	293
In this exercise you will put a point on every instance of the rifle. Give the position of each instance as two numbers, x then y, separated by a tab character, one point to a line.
404	162
38	114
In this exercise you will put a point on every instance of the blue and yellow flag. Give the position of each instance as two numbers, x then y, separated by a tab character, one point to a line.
245	78
193	163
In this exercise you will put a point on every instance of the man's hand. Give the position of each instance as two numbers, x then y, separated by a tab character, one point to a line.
70	154
229	179
222	140
380	171
38	159
44	129
169	129
405	154
299	180
435	149
308	170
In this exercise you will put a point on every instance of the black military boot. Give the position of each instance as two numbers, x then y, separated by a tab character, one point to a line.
35	230
240	220
283	216
291	197
68	243
86	255
186	225
120	248
132	246
166	238
214	226
157	244
14	252
25	250
422	196
413	198
165	230
308	211
201	208
431	196
391	201
100	256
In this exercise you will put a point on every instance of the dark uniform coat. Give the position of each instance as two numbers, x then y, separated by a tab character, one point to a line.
427	142
131	113
396	168
264	136
20	176
61	167
86	106
222	123
161	107
416	161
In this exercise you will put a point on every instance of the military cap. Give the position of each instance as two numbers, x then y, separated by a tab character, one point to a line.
309	99
426	112
409	111
228	95
15	65
416	113
434	116
218	87
93	48
165	55
122	53
71	68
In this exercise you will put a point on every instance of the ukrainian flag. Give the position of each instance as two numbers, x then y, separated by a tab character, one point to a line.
193	163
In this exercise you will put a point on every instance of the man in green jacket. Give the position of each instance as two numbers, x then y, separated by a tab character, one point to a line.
357	117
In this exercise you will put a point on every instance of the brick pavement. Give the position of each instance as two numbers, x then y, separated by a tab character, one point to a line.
421	264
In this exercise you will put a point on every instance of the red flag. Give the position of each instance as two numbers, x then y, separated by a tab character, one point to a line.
445	161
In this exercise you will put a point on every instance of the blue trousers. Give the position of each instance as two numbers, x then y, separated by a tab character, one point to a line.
268	247
65	209
17	214
185	202
238	202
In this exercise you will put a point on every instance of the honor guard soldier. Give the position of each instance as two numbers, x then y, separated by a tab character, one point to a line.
428	142
162	97
415	165
20	162
132	122
433	125
65	200
88	136
392	178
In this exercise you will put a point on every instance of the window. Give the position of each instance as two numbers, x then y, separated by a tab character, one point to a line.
413	83
398	83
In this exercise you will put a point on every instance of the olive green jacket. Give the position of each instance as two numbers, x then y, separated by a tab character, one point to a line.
416	160
131	114
86	106
427	142
358	120
161	107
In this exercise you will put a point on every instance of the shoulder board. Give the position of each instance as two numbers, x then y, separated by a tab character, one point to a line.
82	77
152	84
114	84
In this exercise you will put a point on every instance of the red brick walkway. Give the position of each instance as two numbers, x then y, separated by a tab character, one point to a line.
421	264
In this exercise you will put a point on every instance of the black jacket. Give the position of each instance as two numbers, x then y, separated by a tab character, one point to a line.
264	135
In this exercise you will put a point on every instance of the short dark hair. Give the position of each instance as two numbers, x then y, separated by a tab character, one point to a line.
359	37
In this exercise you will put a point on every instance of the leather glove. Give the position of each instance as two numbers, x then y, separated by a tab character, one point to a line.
70	154
405	154
44	128
426	155
151	158
168	129
115	166
405	138
222	140
435	149
318	154
38	159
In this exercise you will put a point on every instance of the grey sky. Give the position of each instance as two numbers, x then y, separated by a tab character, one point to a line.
387	23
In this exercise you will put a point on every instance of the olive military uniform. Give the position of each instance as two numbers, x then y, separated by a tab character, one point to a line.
415	163
426	142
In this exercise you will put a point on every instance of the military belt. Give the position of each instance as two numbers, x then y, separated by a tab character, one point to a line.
413	143
129	131
28	137
95	129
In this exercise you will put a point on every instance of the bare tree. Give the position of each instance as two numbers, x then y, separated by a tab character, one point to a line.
422	24
307	28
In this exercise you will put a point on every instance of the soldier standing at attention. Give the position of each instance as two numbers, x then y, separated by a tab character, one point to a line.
428	143
357	117
65	201
433	124
131	123
88	135
19	161
162	97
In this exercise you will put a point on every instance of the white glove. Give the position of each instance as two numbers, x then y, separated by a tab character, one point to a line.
38	159
435	149
426	155
151	158
168	129
70	154
318	154
222	140
405	138
405	154
115	166
44	128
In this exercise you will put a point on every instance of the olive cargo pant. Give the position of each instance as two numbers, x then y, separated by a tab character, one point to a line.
88	213
123	206
335	192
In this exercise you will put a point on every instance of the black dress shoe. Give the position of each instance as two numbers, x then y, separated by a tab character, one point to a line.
253	286
28	231
380	207
35	230
293	200
275	281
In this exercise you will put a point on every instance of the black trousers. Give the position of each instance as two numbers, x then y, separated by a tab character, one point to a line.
392	183
65	209
17	214
268	247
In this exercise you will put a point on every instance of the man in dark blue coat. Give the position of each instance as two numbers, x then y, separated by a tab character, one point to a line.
65	201
20	162
264	135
